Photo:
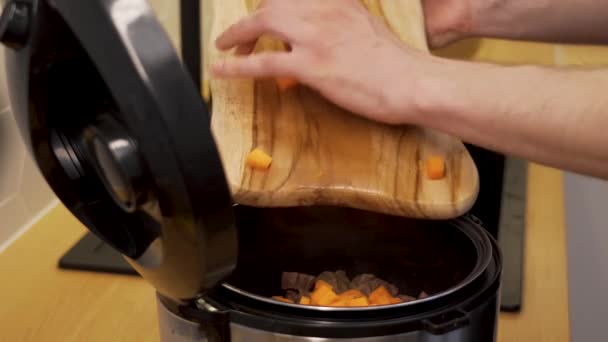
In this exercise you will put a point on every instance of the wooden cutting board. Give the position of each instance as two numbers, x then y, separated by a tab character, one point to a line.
324	155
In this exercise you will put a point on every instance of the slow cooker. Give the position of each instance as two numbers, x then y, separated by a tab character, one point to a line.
119	130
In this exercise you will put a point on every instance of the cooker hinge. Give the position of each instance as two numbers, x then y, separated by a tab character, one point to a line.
214	323
446	323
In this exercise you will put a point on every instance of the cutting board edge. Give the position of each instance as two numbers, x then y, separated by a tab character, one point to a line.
351	198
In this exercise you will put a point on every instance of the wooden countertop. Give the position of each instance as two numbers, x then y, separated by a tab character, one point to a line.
39	302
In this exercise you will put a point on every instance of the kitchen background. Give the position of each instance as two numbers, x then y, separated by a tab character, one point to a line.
24	195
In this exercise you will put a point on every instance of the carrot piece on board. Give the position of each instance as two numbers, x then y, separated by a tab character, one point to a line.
285	83
258	159
435	168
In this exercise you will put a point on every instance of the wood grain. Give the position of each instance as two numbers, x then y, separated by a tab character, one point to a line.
324	155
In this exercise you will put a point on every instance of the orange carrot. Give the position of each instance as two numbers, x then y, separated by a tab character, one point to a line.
283	299
380	296
323	296
305	300
285	83
360	301
435	168
258	159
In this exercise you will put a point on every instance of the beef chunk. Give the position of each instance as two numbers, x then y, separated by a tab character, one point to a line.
300	282
367	283
406	299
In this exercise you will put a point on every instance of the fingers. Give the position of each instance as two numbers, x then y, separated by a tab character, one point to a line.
245	49
262	65
265	21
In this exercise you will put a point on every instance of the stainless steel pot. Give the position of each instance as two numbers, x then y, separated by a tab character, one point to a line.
457	262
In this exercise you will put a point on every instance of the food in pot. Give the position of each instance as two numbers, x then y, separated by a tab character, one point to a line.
282	299
335	289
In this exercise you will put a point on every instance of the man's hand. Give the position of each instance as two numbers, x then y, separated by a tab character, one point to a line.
447	20
554	117
569	21
337	48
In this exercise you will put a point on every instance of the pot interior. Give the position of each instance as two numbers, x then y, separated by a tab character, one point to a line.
414	255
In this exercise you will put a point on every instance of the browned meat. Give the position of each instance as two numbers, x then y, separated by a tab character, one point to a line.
405	299
293	295
300	282
336	289
367	283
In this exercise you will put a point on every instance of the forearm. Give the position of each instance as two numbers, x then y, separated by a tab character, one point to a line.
568	21
554	117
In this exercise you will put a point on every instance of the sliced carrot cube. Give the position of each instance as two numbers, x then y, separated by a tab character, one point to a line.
360	301
351	294
285	84
283	299
305	300
435	168
323	297
258	159
394	300
380	296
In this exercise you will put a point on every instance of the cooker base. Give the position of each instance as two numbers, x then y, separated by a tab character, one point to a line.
174	328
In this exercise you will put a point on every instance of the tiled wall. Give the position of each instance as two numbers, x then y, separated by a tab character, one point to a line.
23	192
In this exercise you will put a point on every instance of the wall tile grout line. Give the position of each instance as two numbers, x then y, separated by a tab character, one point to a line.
4	201
23	229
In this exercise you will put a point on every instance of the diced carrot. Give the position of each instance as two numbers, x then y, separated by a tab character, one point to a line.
323	297
339	302
285	84
435	168
283	299
345	297
380	296
360	301
321	284
258	159
305	300
394	300
351	294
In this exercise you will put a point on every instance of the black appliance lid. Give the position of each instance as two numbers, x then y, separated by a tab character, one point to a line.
122	135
